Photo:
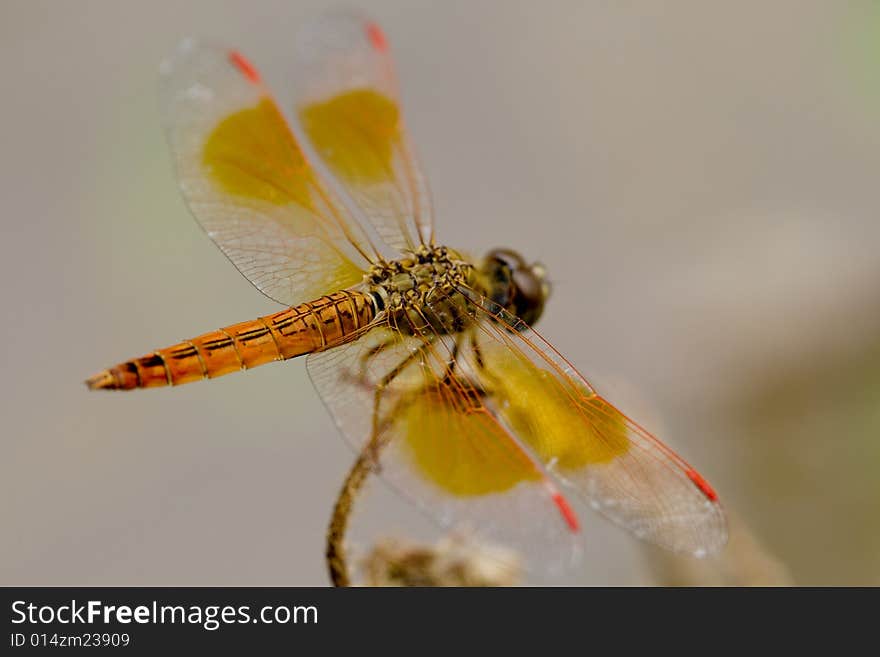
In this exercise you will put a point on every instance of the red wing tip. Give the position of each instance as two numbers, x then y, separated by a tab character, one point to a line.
702	484
567	513
377	37
242	64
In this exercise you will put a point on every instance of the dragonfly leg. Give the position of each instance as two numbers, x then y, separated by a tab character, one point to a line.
478	389
374	351
478	353
453	359
375	445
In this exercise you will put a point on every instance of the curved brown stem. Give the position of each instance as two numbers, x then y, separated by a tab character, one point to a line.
366	462
335	554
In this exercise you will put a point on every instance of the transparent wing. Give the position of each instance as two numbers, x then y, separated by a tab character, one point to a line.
438	444
349	107
593	449
247	181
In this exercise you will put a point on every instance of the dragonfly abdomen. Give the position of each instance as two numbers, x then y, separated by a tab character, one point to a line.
302	329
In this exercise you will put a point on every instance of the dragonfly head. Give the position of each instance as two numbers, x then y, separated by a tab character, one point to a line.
520	287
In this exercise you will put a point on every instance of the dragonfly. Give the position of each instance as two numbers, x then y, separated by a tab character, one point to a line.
424	355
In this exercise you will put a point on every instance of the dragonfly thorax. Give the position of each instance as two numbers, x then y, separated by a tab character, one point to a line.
422	288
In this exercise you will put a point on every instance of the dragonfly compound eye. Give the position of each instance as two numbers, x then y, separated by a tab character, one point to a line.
516	285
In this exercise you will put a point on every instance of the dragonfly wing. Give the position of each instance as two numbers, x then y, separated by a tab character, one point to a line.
350	110
438	445
247	181
593	449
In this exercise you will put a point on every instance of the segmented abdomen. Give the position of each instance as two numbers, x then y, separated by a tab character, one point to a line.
309	327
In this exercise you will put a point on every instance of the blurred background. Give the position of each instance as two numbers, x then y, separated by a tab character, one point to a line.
700	178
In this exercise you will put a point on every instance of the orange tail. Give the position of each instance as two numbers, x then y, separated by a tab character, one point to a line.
293	332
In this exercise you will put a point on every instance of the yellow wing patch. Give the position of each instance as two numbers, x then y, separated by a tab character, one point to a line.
575	433
356	132
560	422
457	444
252	153
463	451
